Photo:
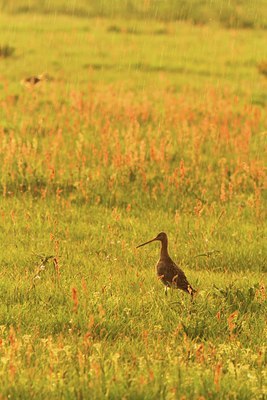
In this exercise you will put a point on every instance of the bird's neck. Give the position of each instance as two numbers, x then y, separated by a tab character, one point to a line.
164	249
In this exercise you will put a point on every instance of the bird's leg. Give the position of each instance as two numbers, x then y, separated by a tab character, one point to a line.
166	290
193	297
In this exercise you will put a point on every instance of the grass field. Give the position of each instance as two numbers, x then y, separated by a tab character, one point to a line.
141	126
245	14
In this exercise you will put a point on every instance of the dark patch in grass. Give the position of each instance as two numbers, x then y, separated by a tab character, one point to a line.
118	29
114	29
6	51
98	67
157	68
24	10
260	100
162	31
134	31
149	68
262	68
143	67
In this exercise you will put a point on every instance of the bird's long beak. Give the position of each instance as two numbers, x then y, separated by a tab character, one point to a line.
143	244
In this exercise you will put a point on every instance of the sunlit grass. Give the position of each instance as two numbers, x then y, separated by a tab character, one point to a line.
81	51
242	14
135	131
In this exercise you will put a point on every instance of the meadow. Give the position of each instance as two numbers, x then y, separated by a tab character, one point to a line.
141	126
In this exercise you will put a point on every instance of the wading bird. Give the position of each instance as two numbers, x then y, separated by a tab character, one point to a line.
168	272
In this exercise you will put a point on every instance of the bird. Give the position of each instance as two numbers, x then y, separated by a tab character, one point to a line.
168	272
32	81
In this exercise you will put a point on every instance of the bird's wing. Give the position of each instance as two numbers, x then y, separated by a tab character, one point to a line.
169	271
180	280
172	275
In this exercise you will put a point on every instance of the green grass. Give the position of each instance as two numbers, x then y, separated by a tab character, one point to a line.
230	14
79	51
123	338
143	126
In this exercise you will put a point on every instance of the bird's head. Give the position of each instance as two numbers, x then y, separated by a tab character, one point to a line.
161	237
